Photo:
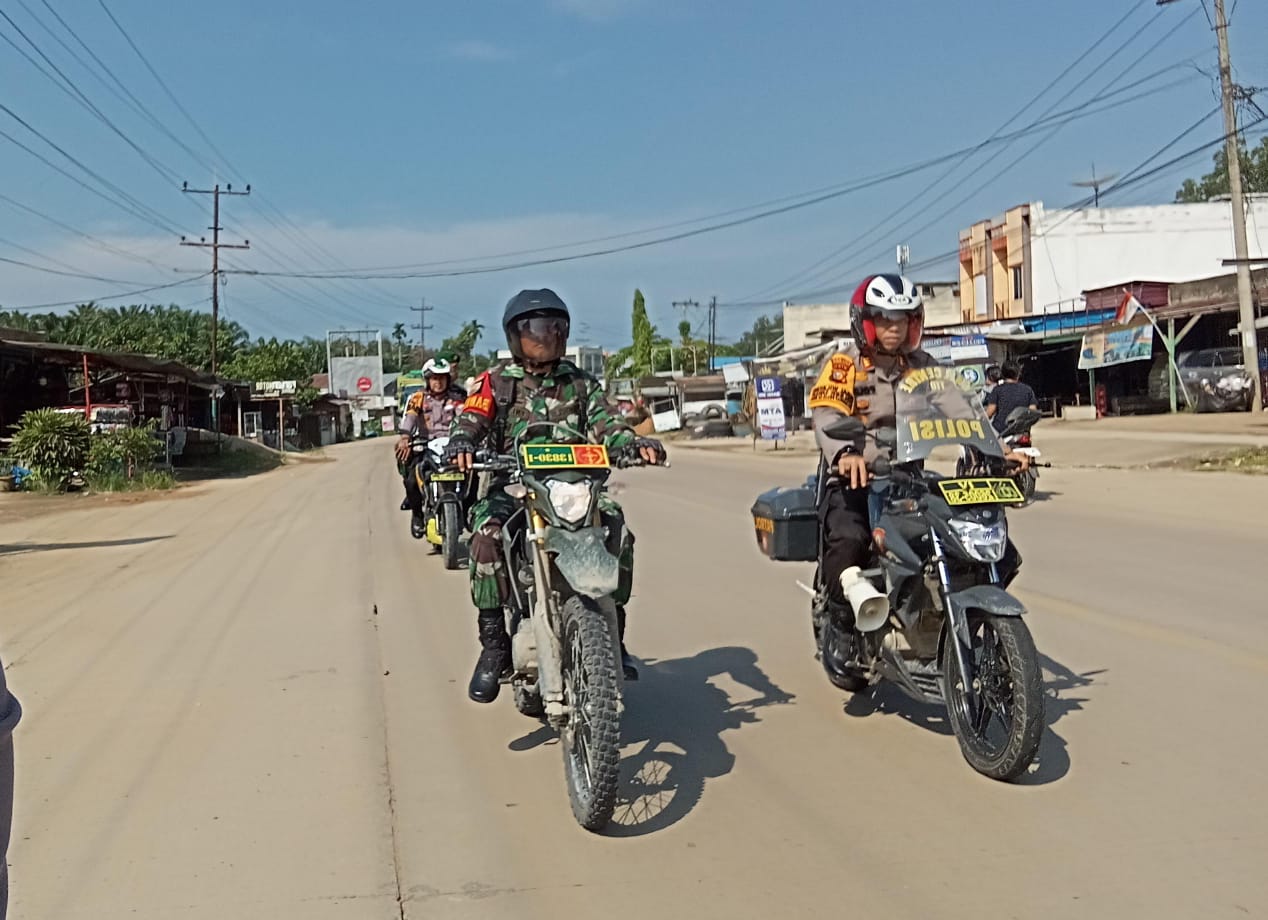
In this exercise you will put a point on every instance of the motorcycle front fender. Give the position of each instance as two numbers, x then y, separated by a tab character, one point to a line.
583	559
990	599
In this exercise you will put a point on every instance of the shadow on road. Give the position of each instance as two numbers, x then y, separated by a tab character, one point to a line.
1060	686
673	734
18	549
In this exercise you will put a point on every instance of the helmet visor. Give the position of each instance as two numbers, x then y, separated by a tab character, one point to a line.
542	338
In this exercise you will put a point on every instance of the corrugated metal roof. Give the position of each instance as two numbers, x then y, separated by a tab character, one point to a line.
119	360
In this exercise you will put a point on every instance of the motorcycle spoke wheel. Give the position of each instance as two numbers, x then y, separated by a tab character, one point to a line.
592	736
999	735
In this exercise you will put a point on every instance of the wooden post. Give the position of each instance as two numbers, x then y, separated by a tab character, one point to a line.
1170	341
1091	385
87	392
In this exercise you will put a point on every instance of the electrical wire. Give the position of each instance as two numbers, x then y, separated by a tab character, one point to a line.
86	300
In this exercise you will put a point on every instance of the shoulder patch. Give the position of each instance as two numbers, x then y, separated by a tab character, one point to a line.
415	403
835	387
481	399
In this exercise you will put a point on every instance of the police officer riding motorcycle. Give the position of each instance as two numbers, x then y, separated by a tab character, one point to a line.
429	414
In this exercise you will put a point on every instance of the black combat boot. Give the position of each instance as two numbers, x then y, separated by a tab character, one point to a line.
495	657
405	503
627	663
418	525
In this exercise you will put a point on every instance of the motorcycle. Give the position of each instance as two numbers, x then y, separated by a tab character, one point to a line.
444	496
1016	437
562	561
933	615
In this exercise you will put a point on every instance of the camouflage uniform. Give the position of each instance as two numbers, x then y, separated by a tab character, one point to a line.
566	396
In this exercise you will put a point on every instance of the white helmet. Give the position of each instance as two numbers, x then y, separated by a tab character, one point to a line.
437	366
886	295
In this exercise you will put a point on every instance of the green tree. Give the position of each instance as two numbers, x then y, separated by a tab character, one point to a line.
1215	183
398	336
766	329
461	347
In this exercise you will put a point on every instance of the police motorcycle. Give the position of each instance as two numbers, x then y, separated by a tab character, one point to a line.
562	563
444	492
932	614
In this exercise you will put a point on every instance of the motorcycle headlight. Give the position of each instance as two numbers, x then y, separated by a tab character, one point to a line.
571	500
983	542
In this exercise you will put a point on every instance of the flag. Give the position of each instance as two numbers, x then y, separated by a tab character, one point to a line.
1128	308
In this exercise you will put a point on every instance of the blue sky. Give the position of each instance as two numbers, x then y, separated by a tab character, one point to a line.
403	133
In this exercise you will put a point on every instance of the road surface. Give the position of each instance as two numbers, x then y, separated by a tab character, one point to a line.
249	702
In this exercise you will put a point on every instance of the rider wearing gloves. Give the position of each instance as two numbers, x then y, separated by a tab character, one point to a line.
887	321
429	413
537	386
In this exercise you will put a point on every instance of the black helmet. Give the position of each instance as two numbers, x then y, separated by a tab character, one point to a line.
541	315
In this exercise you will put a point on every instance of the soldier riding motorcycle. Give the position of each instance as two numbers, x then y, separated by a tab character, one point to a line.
538	385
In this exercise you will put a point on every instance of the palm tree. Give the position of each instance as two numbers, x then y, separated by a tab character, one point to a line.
398	336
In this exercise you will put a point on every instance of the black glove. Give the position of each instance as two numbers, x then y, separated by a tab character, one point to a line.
459	444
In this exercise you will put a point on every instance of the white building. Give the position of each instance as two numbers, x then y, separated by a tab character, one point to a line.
1031	260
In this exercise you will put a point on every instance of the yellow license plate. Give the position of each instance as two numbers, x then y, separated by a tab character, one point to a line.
980	491
448	477
565	456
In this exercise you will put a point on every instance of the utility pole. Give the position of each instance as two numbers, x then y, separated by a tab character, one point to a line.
215	246
1245	300
1229	93
686	305
422	325
713	330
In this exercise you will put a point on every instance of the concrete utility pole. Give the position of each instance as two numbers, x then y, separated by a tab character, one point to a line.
1245	299
422	325
713	330
1232	150
215	246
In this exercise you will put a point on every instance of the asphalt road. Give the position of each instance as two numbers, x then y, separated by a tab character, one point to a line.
249	702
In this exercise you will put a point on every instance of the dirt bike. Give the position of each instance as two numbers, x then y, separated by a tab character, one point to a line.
1016	437
932	614
562	561
444	494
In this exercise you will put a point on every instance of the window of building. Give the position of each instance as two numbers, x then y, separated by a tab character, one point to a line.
1018	294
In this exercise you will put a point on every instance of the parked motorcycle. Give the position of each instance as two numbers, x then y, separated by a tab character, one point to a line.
444	494
932	615
1016	436
562	558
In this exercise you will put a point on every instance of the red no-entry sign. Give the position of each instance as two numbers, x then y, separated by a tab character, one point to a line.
364	384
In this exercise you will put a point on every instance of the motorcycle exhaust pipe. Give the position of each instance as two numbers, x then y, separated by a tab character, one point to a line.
871	608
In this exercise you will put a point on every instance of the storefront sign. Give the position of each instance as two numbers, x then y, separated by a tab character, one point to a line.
1116	346
273	389
770	409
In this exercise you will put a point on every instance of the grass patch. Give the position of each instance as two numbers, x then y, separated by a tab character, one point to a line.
1252	460
145	481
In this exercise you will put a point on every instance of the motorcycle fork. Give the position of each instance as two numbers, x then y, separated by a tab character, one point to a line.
957	627
550	677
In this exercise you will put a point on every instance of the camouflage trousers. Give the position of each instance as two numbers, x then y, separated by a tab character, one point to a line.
489	585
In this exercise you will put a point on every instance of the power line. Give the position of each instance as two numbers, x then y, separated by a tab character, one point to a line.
1129	180
66	274
855	247
129	203
959	161
69	86
839	191
86	300
99	243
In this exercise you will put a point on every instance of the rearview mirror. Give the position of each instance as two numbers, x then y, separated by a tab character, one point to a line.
844	429
886	437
